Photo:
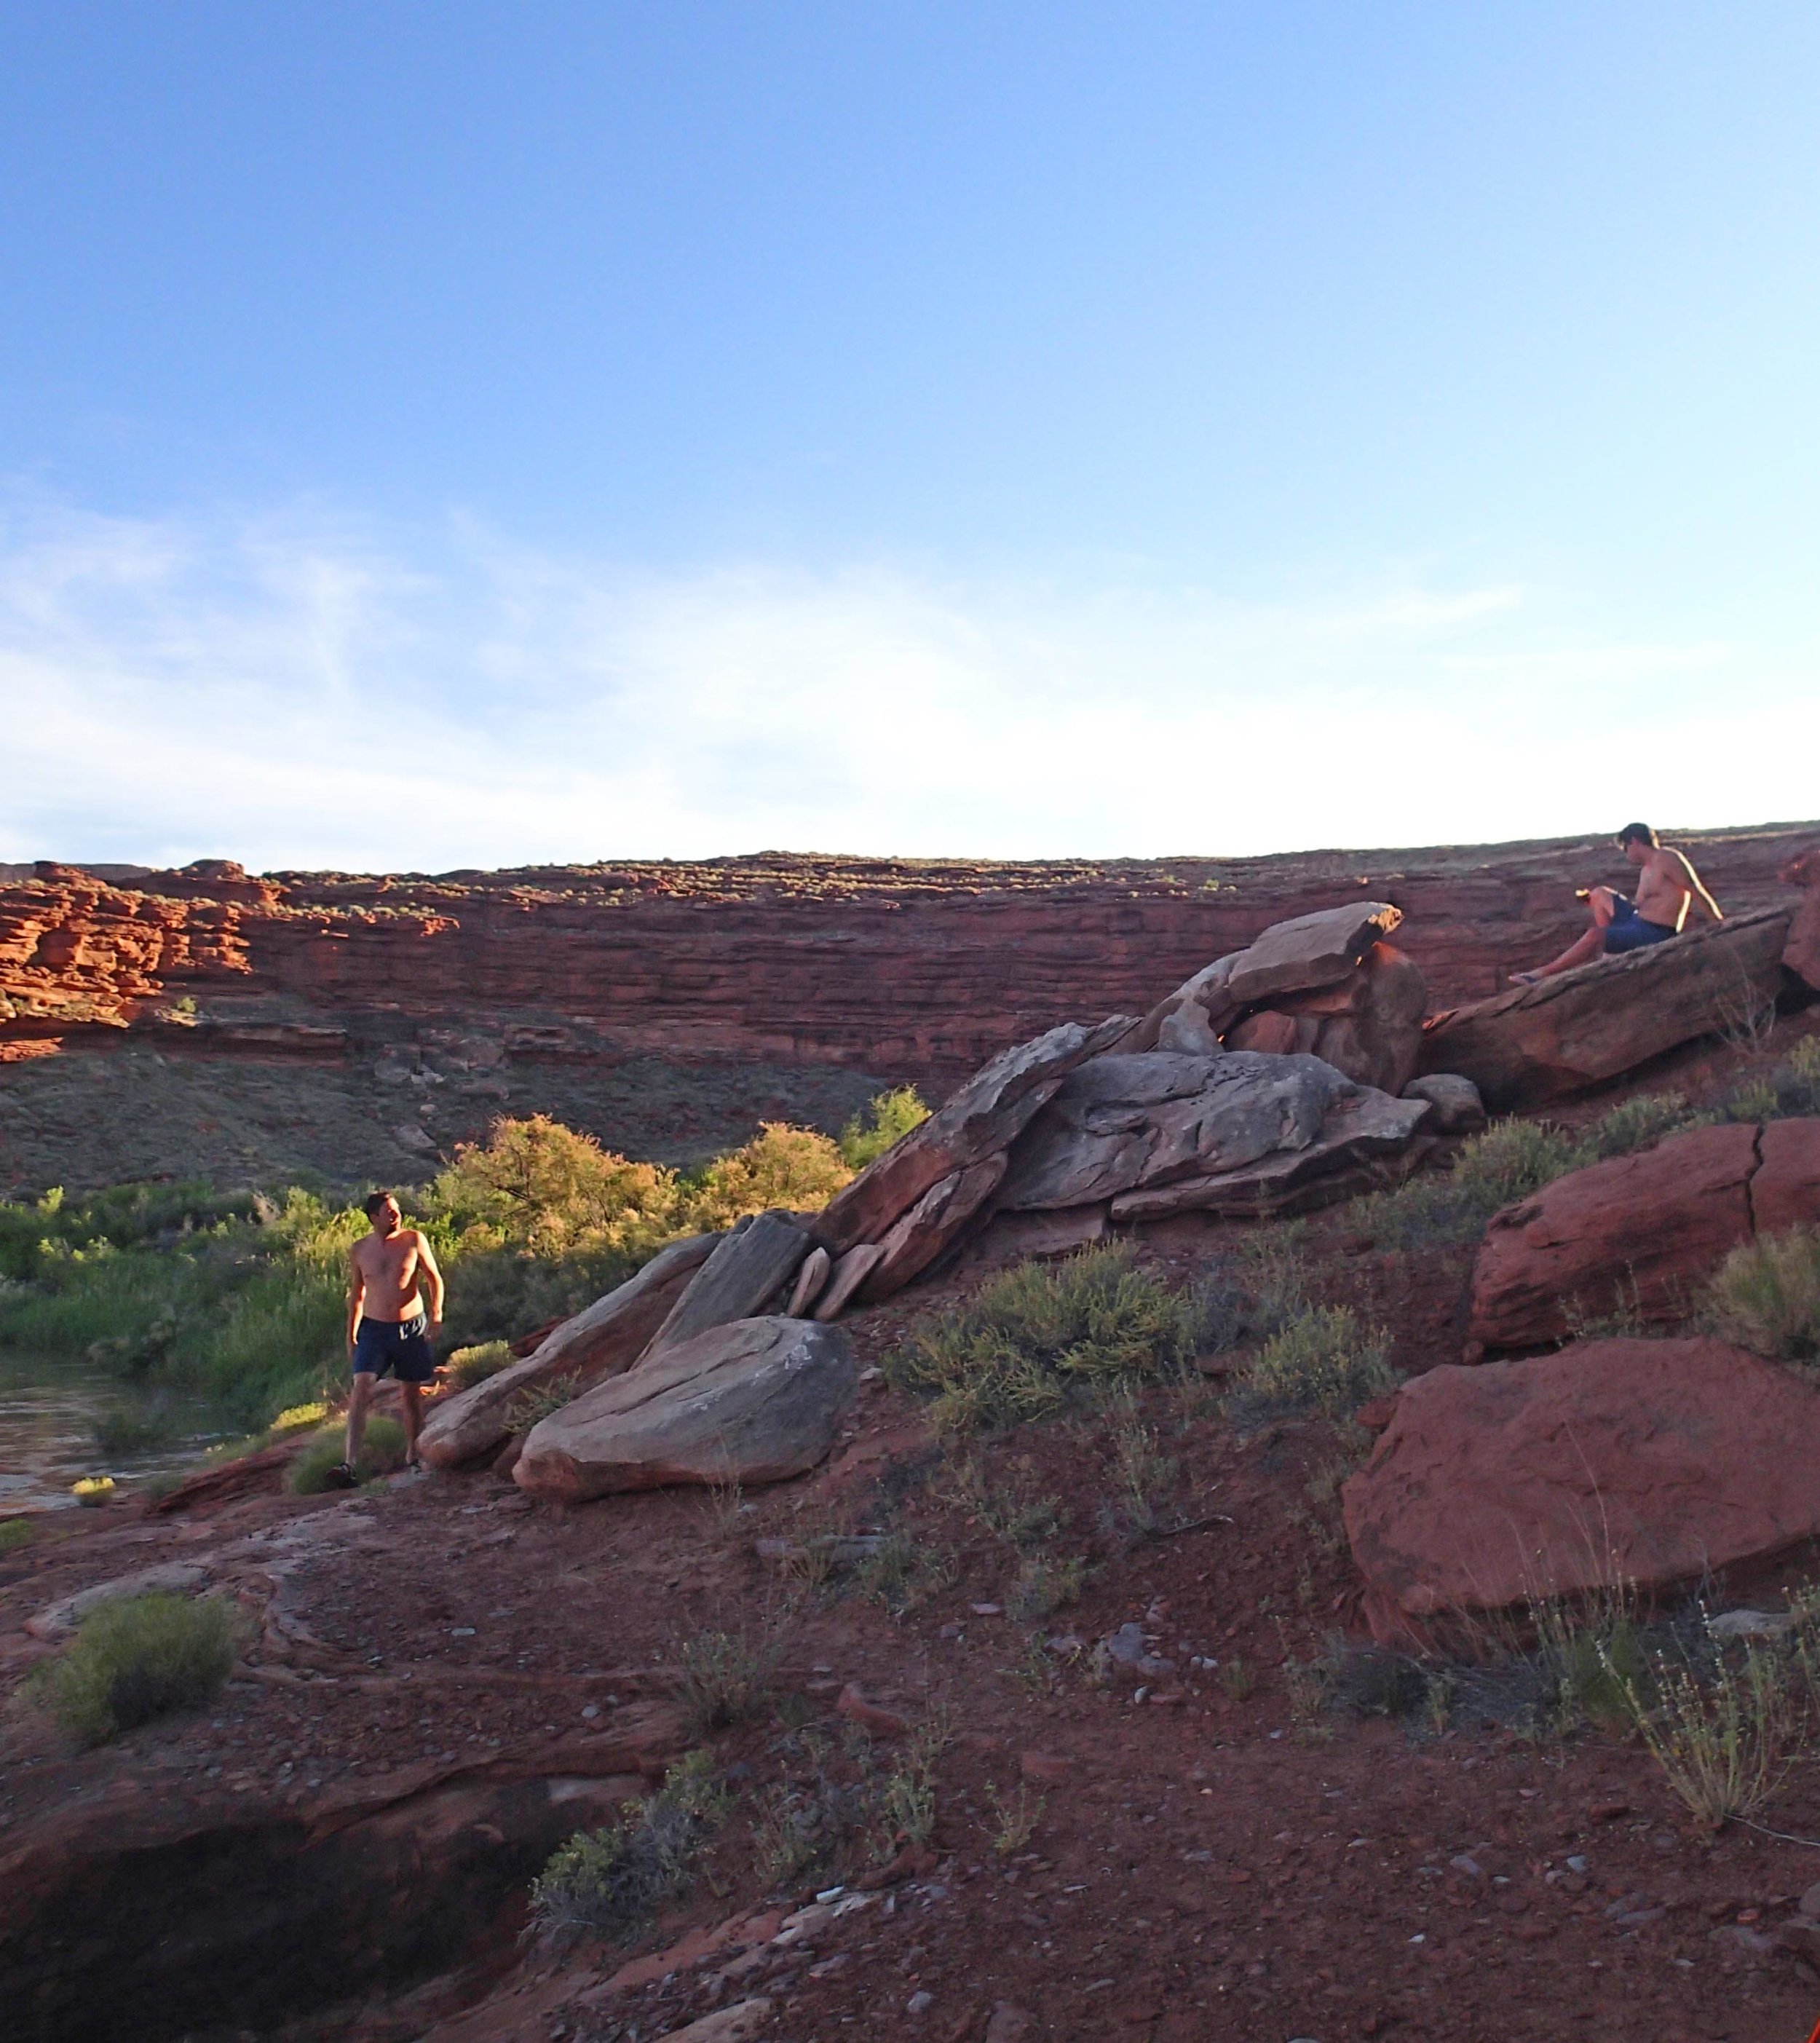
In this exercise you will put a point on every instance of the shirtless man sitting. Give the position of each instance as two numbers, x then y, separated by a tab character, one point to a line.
1668	885
388	1328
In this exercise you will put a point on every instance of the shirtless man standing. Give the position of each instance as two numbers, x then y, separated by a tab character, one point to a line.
1667	886
388	1329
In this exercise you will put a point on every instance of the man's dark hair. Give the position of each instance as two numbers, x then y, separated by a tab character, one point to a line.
372	1201
1636	834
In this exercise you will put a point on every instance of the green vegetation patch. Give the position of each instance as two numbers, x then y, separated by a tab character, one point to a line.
137	1658
1765	1296
1043	1333
606	1885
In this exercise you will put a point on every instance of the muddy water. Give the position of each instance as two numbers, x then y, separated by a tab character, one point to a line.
49	1408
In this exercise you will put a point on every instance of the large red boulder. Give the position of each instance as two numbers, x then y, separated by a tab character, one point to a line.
1565	1034
1610	1462
1640	1234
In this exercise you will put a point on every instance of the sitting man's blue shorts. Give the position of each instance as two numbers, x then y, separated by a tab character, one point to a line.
1628	931
394	1347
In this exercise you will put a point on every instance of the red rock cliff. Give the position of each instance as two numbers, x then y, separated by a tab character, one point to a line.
908	967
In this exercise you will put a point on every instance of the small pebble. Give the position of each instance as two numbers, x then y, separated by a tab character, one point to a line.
919	2003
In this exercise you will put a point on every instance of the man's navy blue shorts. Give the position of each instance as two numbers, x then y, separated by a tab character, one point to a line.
390	1347
1628	931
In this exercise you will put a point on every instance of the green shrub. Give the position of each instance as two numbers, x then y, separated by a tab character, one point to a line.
537	1401
794	1168
469	1366
1791	1089
1041	1332
608	1883
139	1657
888	1118
1323	1361
1639	1124
1510	1161
381	1450
725	1678
15	1533
1765	1296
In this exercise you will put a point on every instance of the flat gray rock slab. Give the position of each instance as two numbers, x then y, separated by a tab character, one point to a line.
1152	1117
754	1402
609	1337
982	1119
747	1269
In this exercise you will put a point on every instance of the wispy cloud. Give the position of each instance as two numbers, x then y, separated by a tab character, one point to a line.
300	691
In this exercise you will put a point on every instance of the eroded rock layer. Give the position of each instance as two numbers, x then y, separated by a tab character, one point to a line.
918	968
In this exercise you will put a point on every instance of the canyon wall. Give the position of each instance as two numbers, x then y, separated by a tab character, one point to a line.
914	969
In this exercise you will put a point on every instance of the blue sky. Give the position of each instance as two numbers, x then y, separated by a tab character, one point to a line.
462	433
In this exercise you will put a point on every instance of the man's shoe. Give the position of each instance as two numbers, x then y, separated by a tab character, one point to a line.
340	1476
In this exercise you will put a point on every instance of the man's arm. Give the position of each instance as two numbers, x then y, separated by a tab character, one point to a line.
356	1291
433	1277
1691	879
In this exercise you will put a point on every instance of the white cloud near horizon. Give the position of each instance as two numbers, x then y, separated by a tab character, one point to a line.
302	691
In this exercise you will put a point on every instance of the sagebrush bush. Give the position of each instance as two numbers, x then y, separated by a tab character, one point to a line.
138	1657
1041	1332
726	1677
1511	1161
1765	1296
469	1366
607	1884
1639	1124
1323	1361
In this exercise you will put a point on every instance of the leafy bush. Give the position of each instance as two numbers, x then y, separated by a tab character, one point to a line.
888	1118
381	1450
1511	1161
1639	1124
1322	1361
608	1883
1791	1090
15	1533
139	1657
1765	1296
781	1166
1041	1332
469	1366
538	1186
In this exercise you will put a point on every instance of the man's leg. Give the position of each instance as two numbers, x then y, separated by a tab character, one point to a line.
1601	905
359	1397
409	1395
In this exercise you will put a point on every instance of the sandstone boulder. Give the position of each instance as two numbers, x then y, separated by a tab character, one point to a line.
753	1402
1802	952
936	1220
979	1120
1458	1108
1300	955
609	1337
749	1267
850	1271
1539	1042
1149	1116
1640	1233
1155	1133
1644	1461
1367	1141
1785	1193
812	1281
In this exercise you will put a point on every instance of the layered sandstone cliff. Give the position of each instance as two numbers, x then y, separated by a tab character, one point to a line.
920	969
